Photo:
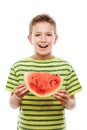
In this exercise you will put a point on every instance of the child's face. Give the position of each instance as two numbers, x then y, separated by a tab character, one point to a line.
43	38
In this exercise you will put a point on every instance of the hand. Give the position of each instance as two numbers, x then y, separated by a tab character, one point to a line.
20	91
66	100
62	96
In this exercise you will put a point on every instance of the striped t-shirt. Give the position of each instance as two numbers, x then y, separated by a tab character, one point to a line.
42	113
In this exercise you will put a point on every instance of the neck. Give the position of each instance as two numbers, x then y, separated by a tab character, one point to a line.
42	57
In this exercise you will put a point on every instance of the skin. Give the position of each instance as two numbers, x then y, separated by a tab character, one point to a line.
43	35
42	38
19	92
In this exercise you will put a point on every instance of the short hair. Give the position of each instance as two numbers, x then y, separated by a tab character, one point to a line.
42	18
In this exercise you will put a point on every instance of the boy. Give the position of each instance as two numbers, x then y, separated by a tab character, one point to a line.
35	112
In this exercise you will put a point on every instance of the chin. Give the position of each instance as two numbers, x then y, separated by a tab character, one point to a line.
44	53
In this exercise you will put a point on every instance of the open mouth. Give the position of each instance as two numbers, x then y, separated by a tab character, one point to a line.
43	46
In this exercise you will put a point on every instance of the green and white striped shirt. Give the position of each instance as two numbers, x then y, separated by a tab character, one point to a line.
42	113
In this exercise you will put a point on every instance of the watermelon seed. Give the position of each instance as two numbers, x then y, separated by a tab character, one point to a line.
50	81
36	81
32	84
42	90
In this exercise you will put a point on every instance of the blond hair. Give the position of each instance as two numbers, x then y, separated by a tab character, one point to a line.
42	18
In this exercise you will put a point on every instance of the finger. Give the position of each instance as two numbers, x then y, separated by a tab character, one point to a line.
19	86
58	97
24	93
60	94
62	100
63	94
61	97
20	90
63	91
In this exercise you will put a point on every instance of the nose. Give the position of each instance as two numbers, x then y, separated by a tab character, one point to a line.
43	38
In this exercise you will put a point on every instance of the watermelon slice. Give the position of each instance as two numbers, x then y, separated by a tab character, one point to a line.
43	84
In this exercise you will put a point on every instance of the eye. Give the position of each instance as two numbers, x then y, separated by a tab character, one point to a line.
37	35
49	34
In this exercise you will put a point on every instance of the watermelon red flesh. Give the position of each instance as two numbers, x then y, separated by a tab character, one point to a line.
43	83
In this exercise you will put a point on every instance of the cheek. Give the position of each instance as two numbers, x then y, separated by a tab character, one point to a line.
51	41
35	40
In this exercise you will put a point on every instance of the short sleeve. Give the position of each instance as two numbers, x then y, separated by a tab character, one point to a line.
12	81
73	84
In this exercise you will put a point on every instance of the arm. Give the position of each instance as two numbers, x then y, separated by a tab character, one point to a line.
15	97
66	100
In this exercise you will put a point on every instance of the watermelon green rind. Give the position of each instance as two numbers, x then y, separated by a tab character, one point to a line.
36	88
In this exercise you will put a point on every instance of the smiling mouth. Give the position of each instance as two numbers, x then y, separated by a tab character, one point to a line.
43	46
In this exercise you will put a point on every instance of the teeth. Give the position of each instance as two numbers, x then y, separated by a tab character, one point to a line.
43	46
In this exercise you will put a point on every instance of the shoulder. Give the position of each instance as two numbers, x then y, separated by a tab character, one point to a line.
64	63
21	62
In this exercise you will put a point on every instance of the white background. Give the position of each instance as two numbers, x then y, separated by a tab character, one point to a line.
71	19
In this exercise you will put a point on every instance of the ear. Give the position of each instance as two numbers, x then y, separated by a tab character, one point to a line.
56	38
29	38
